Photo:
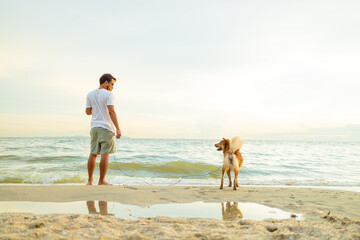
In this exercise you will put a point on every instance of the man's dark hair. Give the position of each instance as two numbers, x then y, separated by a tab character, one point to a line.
106	77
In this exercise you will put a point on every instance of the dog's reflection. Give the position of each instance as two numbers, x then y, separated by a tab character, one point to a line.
102	207
231	212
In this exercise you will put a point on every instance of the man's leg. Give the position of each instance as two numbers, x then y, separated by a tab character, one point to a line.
103	169
91	168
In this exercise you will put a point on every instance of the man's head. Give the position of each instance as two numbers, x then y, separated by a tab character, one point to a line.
107	81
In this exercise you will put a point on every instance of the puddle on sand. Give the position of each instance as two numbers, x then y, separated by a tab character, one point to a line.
228	211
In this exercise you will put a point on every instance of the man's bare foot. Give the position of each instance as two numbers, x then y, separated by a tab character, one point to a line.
89	183
104	183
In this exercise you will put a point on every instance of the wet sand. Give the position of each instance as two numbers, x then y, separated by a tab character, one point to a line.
327	213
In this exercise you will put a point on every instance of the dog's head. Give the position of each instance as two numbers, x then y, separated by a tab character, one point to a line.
223	145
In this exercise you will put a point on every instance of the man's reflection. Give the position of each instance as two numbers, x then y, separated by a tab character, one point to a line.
102	207
231	212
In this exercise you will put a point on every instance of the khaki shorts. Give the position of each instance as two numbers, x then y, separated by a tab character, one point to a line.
102	141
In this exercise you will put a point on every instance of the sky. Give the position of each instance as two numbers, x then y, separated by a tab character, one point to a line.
184	69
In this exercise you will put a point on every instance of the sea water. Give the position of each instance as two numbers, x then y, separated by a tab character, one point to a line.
63	160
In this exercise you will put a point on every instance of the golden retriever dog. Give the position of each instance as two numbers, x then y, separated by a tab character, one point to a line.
233	159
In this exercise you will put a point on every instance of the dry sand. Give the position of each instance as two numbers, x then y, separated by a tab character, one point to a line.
329	214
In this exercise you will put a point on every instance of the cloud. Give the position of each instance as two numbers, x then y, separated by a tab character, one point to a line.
190	69
43	125
348	133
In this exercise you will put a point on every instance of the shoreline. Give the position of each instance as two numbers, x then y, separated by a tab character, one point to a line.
327	213
340	188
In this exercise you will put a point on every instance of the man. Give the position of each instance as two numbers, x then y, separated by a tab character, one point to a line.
104	126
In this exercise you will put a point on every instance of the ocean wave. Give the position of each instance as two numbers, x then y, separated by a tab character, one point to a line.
9	157
42	159
149	157
44	179
169	170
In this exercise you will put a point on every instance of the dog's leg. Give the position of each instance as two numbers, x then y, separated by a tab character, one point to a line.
238	212
229	175
222	178
236	179
223	211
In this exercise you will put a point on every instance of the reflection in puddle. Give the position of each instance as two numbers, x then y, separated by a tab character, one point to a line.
229	211
103	209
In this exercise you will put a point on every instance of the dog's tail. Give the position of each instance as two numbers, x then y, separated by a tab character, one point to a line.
235	144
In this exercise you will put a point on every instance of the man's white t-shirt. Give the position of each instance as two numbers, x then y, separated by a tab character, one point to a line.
98	100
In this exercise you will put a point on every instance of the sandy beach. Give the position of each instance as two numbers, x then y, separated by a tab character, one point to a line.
333	214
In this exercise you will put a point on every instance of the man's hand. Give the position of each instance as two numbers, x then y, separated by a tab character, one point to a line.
118	133
88	111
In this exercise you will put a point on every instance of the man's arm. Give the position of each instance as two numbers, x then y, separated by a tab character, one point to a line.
88	111
114	119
